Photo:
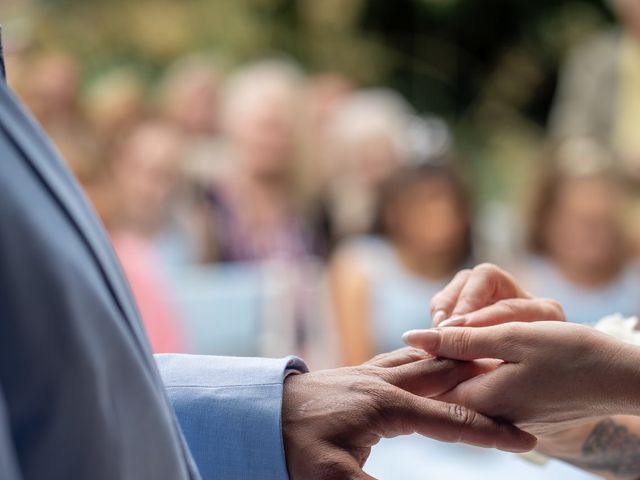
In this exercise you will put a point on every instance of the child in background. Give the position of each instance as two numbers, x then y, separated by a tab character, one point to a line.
582	253
382	283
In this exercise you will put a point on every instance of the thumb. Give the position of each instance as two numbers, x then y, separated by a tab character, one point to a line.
501	342
347	467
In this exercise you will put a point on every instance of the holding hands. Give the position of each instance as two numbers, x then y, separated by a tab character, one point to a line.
550	378
547	375
332	418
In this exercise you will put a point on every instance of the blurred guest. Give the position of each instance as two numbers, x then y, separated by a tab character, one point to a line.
252	210
582	252
599	94
51	85
51	93
366	147
189	97
115	103
324	95
382	284
144	173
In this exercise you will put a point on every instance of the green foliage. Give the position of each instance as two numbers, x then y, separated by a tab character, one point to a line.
489	66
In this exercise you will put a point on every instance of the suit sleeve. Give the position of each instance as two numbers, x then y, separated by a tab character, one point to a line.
229	410
8	460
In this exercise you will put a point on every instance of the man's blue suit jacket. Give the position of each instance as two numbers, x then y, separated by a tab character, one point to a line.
81	396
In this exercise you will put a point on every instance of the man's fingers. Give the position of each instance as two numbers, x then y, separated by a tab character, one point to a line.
486	285
443	303
511	310
436	376
503	342
398	357
454	423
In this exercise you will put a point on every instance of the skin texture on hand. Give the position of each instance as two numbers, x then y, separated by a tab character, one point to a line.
332	418
487	295
529	385
553	375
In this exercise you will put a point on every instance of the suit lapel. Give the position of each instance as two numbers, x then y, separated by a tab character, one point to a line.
46	163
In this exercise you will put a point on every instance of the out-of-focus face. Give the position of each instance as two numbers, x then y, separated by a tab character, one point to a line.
628	12
116	106
53	86
193	103
264	133
429	219
145	175
584	232
377	160
324	95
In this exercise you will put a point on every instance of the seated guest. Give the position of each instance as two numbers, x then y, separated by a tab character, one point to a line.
251	208
189	98
82	397
115	102
143	176
382	283
366	143
582	253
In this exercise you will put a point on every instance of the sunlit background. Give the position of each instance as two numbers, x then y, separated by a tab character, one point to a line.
300	176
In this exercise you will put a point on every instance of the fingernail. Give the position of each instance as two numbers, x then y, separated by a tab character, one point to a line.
439	316
428	340
453	322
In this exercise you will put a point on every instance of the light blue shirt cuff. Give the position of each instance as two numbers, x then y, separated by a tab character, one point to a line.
229	410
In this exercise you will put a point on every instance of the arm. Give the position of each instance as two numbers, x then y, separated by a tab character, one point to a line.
229	410
609	447
239	416
349	290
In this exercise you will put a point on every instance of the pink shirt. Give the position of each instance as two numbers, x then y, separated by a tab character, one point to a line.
150	292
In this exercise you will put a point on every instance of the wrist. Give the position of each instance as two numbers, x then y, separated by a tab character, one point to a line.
566	443
625	376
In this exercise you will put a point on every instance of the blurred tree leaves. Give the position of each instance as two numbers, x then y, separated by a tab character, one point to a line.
488	66
446	56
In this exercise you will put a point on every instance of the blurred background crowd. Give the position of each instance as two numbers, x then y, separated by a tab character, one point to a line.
282	176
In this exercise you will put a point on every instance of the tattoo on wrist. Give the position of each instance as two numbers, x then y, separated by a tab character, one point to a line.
612	448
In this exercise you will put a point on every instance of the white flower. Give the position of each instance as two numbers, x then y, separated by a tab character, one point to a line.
620	327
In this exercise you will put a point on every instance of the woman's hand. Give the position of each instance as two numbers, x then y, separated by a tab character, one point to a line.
553	375
487	295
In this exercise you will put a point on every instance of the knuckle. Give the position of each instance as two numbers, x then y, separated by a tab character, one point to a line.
415	354
440	301
555	309
377	359
511	307
461	342
436	301
462	416
366	371
487	269
462	274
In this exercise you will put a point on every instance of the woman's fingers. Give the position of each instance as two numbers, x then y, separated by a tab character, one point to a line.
486	285
503	342
436	376
399	357
472	290
507	311
443	303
